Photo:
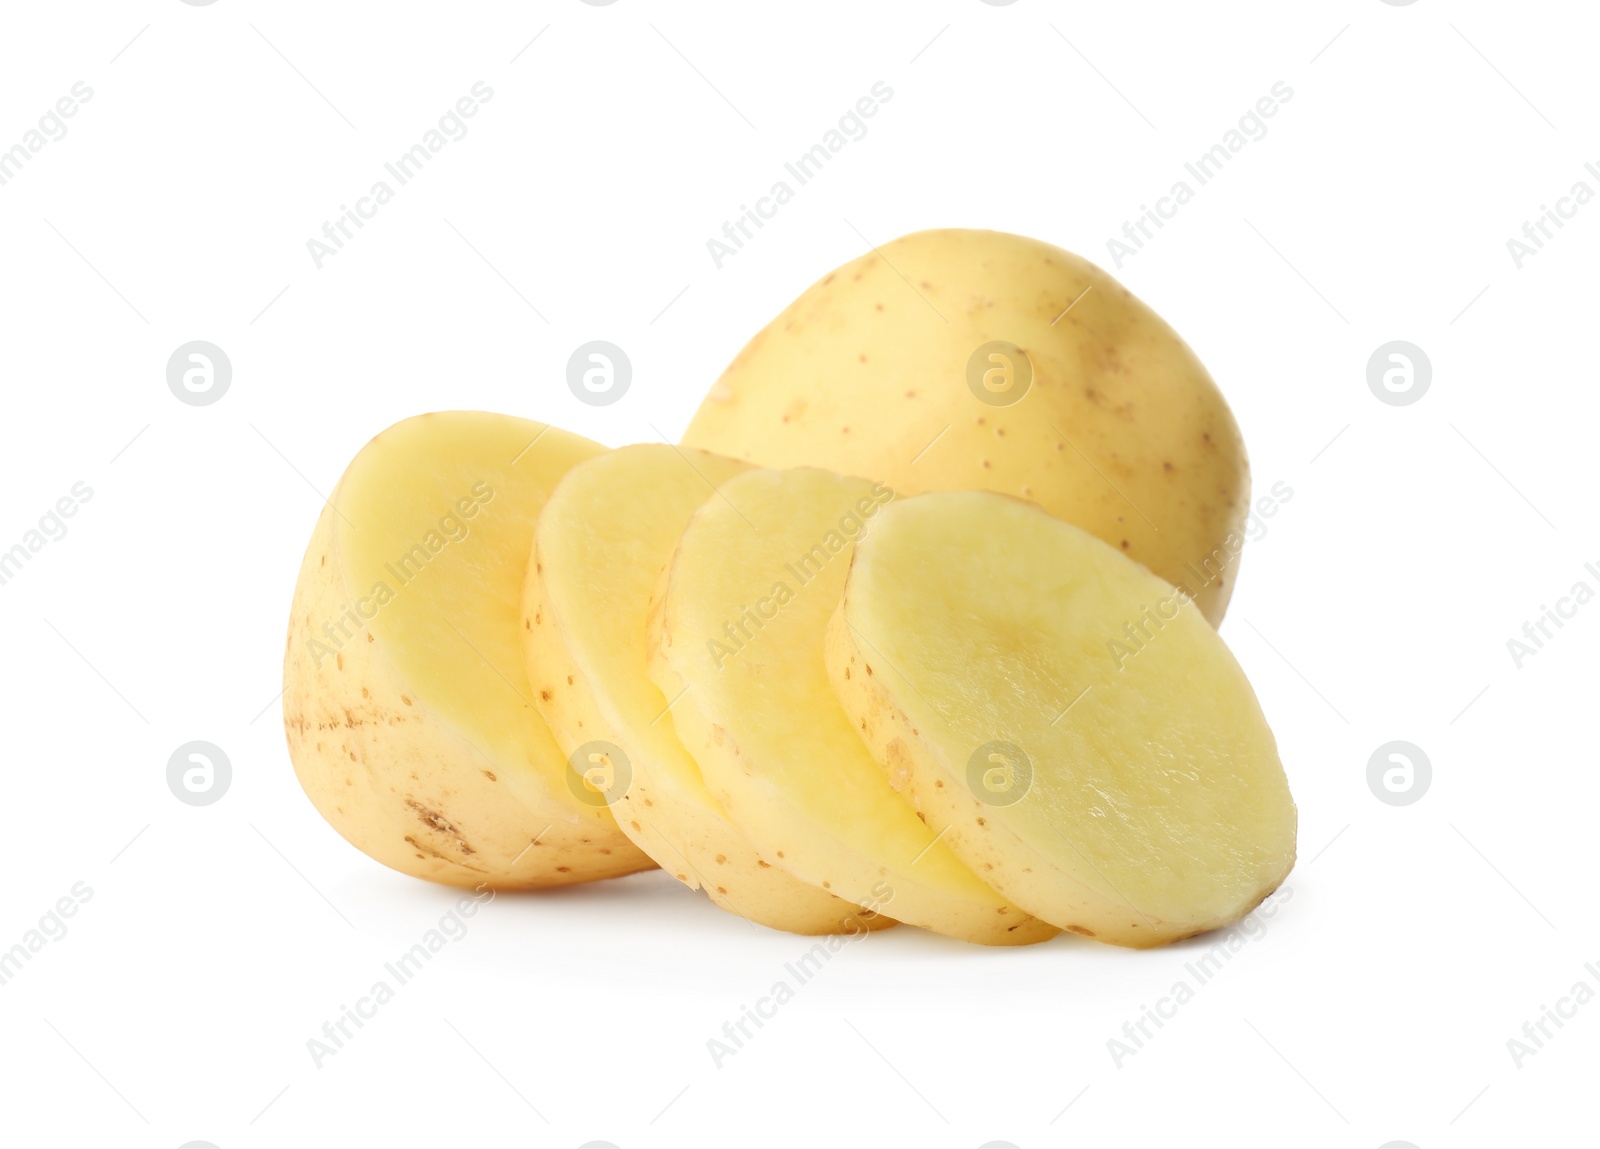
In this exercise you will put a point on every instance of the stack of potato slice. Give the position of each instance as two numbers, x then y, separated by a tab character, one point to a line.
519	660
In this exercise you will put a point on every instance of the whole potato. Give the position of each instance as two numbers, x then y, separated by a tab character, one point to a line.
976	360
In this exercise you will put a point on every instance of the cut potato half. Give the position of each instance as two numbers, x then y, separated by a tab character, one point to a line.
408	712
1072	724
738	636
600	546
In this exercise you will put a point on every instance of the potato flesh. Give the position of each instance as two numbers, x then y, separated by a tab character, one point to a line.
1158	807
601	543
757	573
406	703
1122	432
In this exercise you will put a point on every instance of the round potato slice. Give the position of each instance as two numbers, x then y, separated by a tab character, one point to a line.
738	649
600	546
408	712
955	359
1070	722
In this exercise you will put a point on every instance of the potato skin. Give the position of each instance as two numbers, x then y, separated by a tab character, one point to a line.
1122	432
400	784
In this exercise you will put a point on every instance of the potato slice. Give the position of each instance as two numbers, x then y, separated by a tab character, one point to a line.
954	360
1072	724
738	648
408	713
600	546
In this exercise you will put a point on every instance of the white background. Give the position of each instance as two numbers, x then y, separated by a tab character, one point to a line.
1377	1004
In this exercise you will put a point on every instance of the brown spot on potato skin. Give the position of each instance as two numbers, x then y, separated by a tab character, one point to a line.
544	696
436	821
1081	931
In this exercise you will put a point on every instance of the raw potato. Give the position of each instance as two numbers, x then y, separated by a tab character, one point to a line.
1121	432
405	702
1157	807
600	546
738	635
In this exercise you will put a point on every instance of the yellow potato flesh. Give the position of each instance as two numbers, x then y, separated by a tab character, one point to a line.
601	544
1157	806
408	711
1121	431
739	637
